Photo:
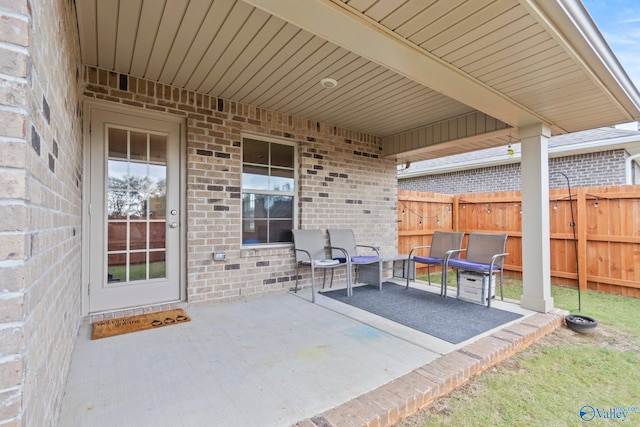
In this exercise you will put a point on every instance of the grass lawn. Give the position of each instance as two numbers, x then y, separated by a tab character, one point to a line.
138	271
549	383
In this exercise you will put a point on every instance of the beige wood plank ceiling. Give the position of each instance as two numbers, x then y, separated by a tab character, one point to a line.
524	60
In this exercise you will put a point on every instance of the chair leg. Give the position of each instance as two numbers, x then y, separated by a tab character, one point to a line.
313	280
443	282
408	275
429	275
457	282
331	283
324	277
296	287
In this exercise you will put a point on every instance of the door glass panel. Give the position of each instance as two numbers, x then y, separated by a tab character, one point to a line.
156	235
157	265
117	267
136	200
117	236
117	143
138	146
158	149
137	266
138	235
157	191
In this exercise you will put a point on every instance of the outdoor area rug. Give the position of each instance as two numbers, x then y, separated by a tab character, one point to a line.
141	322
449	319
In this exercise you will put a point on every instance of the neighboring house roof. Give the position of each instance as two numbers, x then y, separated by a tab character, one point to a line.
589	141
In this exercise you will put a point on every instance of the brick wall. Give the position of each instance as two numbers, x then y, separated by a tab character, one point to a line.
40	206
584	170
343	182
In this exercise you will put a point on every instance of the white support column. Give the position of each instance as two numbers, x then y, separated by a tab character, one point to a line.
536	259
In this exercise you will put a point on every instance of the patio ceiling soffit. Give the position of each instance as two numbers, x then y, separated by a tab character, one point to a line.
351	30
339	23
464	72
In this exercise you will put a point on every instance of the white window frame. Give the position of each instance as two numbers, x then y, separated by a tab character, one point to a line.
243	191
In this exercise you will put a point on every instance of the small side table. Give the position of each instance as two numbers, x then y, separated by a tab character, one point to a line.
399	266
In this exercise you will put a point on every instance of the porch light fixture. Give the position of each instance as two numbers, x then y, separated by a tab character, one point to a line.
328	83
402	166
510	150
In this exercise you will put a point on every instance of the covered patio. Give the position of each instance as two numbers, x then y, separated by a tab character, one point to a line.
179	105
418	80
279	361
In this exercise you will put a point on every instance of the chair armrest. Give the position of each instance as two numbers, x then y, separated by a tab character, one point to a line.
447	255
344	251
494	258
416	247
306	252
377	251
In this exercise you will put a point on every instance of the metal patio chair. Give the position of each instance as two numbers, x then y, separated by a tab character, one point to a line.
485	254
442	243
310	252
344	247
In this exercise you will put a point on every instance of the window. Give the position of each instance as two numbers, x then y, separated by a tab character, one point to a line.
268	191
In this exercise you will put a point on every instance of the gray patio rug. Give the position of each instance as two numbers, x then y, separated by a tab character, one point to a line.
449	319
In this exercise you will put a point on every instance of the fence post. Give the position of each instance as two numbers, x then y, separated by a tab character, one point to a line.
455	218
582	238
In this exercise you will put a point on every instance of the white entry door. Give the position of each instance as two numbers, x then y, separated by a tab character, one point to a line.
134	211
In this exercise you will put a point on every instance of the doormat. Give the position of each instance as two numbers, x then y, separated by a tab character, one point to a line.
141	322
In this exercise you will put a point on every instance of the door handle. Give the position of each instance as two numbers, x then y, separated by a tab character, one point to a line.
173	225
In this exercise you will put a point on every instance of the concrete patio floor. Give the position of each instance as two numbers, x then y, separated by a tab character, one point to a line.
278	361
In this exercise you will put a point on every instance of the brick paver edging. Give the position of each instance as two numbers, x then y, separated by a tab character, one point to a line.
406	395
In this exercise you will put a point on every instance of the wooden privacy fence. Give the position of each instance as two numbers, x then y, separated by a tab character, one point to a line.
607	231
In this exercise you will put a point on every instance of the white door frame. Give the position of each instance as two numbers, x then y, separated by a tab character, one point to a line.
90	106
